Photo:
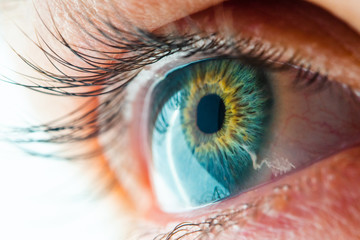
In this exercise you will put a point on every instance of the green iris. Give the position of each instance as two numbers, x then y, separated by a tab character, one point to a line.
211	118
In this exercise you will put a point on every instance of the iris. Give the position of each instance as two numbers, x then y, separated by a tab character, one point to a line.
210	120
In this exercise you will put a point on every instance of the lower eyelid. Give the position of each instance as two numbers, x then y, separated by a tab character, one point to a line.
288	207
125	165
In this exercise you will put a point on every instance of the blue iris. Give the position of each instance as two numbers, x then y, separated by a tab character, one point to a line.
209	122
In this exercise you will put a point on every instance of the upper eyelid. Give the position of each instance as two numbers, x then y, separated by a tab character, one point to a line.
101	67
94	62
147	34
101	23
333	74
149	42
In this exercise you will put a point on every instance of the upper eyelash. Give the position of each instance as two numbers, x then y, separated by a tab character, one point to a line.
111	75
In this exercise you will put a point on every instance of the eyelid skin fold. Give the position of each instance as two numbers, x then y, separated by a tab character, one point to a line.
326	43
342	9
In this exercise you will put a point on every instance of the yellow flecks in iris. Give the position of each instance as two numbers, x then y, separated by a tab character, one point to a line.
245	137
222	85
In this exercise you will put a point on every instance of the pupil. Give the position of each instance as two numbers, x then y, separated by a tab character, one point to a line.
210	113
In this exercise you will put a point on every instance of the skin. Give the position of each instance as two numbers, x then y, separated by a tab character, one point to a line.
319	202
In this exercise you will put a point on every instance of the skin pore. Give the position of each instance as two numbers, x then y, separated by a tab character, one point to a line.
319	202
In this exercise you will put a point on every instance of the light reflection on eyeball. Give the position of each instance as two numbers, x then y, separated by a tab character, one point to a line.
219	127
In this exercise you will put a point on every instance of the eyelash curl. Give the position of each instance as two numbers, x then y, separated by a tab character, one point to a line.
108	73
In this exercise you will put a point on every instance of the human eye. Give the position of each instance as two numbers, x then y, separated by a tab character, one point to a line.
307	114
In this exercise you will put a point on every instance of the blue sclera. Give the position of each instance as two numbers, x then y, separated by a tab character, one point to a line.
210	120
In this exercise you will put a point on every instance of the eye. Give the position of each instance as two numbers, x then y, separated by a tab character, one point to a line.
220	126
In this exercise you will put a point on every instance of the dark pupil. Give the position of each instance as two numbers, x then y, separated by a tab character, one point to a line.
210	113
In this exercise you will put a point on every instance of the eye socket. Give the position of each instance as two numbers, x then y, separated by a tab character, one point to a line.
218	127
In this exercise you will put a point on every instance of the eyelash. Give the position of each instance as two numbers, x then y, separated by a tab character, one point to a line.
111	76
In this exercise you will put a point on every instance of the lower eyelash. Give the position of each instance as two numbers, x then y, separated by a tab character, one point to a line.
313	81
228	220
